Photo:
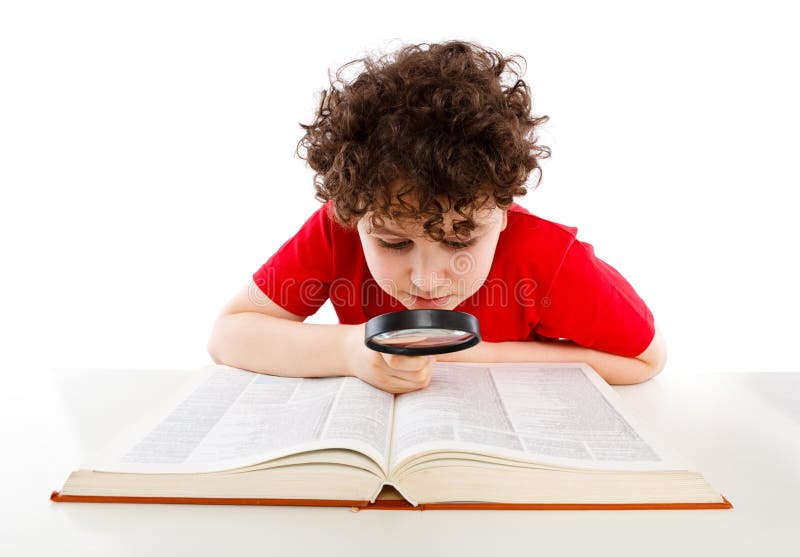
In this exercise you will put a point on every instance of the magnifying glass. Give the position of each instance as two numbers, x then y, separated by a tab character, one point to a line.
420	332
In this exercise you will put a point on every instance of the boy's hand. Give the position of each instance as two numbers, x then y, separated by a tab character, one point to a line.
388	372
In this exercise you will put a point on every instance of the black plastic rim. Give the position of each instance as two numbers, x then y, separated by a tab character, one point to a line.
422	319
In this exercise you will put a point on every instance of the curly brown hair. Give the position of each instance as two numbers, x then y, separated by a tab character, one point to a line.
437	124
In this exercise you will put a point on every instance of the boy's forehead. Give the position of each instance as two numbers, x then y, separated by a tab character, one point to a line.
482	218
483	213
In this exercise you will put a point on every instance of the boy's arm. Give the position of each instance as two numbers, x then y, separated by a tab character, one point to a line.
615	369
254	333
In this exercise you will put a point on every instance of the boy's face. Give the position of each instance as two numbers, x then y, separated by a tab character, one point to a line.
424	274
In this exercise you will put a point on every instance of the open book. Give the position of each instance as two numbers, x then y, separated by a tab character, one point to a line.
519	435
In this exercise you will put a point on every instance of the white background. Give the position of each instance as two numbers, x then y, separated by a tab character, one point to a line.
148	167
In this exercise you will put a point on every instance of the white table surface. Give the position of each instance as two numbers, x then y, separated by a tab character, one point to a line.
741	430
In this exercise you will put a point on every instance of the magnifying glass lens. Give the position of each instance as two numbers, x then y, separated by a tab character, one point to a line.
422	337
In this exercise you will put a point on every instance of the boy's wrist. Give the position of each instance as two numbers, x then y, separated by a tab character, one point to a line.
352	339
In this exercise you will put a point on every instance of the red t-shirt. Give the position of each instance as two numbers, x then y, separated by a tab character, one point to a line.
543	284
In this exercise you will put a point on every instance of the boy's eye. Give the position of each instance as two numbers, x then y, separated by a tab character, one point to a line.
452	244
460	245
398	245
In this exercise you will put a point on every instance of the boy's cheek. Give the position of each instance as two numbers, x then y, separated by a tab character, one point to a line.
383	270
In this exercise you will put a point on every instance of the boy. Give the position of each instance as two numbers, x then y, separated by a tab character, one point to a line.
417	162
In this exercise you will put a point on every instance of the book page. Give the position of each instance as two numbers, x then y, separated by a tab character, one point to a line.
554	414
231	418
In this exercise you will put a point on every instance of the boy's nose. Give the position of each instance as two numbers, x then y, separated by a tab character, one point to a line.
429	274
430	284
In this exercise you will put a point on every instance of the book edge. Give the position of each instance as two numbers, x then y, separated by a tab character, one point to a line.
385	505
60	498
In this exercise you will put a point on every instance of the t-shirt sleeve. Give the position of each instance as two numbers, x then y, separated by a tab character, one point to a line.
591	304
298	275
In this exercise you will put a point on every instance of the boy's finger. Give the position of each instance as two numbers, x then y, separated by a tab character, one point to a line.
407	383
407	363
412	376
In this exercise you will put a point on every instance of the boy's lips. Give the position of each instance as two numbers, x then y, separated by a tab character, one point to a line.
428	302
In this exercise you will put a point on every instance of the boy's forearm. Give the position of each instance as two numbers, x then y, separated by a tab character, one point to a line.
615	369
274	346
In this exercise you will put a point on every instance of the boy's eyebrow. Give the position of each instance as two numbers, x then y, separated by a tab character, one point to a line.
386	230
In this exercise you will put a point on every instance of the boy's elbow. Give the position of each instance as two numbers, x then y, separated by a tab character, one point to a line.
659	366
212	351
653	368
214	358
651	371
654	357
213	345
